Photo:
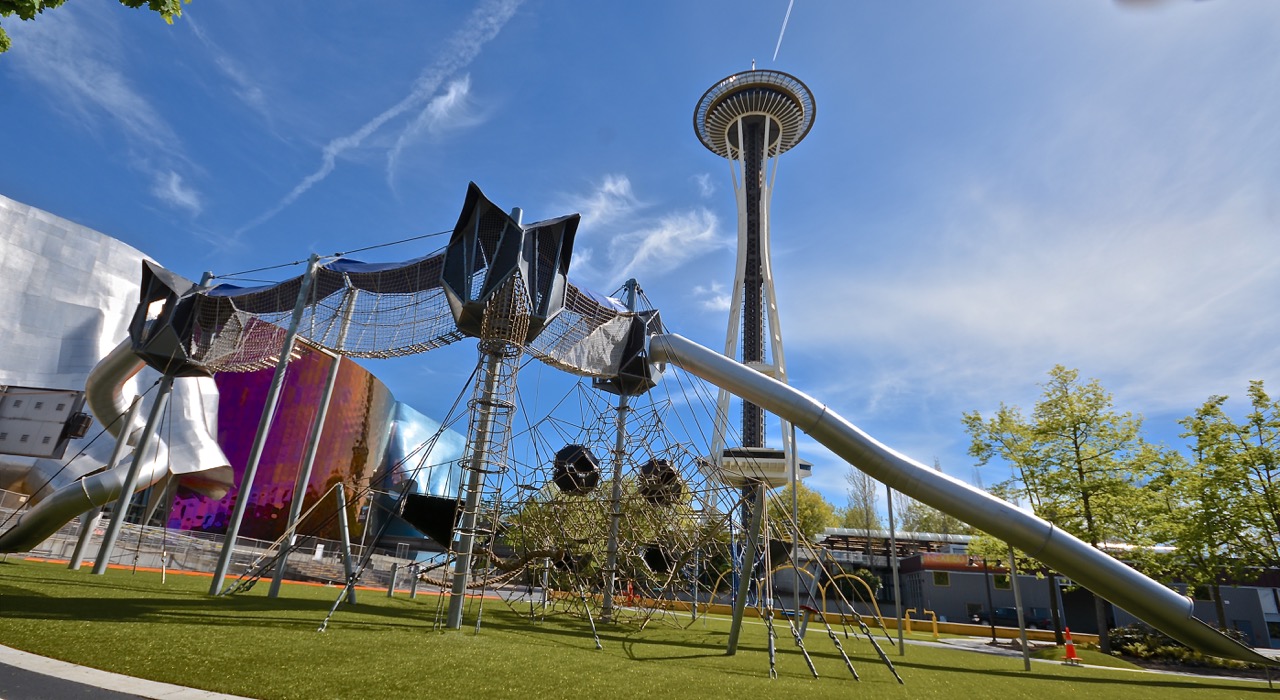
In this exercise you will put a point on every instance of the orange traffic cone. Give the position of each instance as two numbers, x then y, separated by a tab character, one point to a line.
1071	657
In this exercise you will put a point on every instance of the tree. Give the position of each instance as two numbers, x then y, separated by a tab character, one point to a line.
861	512
815	513
1204	505
1077	461
28	9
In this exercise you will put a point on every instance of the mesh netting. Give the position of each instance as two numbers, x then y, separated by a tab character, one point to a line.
388	310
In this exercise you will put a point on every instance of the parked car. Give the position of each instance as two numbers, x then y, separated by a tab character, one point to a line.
1036	618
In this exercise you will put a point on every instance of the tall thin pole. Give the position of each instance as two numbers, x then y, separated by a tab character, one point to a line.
991	611
471	503
795	518
313	446
344	537
135	468
615	498
747	570
897	580
1017	601
264	428
89	520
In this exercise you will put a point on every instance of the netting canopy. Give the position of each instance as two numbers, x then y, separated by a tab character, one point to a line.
380	310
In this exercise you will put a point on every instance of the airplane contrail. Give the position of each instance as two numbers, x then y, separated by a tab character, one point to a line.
784	29
483	25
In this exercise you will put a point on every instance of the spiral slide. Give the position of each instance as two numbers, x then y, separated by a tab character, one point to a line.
1124	586
186	448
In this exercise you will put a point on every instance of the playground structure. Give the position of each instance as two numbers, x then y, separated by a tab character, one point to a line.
608	502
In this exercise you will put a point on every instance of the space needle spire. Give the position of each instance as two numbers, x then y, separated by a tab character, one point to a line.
750	119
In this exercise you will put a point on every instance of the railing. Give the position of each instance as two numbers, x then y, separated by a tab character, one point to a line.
179	550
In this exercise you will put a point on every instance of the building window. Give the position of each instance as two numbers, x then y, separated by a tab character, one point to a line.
44	440
941	578
17	403
23	438
4	436
60	407
39	405
1001	581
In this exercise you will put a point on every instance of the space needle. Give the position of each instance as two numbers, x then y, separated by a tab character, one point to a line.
750	119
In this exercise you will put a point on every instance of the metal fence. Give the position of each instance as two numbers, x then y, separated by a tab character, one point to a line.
156	547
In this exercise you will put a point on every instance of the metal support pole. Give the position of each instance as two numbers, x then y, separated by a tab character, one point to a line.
344	535
135	468
391	585
413	581
897	580
264	428
1017	602
795	517
313	446
615	498
991	611
89	520
747	570
475	482
88	523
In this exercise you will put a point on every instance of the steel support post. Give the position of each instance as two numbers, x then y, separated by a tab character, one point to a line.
1017	602
88	523
135	468
615	497
344	536
313	445
89	520
475	482
264	428
897	580
748	569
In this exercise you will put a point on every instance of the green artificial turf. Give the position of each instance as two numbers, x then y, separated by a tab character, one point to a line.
251	645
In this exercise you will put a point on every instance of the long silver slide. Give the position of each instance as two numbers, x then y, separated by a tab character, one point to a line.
1157	605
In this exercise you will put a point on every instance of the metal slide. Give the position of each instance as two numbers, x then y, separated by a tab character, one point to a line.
1164	609
186	449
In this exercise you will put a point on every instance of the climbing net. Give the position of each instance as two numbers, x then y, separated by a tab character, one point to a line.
382	311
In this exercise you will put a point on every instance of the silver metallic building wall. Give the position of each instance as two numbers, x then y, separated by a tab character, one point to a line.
68	292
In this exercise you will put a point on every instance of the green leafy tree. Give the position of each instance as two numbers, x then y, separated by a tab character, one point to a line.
28	9
815	514
1204	503
1079	463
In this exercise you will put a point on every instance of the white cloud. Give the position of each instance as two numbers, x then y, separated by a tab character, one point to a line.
635	243
170	188
712	296
246	89
481	27
667	244
706	187
610	202
86	73
448	111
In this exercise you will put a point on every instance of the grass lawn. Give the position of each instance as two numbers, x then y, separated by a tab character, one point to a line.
259	647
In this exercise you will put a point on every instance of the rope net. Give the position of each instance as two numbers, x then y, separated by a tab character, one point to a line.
387	310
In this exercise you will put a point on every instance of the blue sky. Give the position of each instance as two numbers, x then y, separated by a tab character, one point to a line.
991	187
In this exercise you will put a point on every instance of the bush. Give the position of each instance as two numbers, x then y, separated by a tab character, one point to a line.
1149	644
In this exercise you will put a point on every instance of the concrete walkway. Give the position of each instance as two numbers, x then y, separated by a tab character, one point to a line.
25	676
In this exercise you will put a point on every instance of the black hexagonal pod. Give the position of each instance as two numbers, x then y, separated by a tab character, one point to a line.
658	558
660	483
576	471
